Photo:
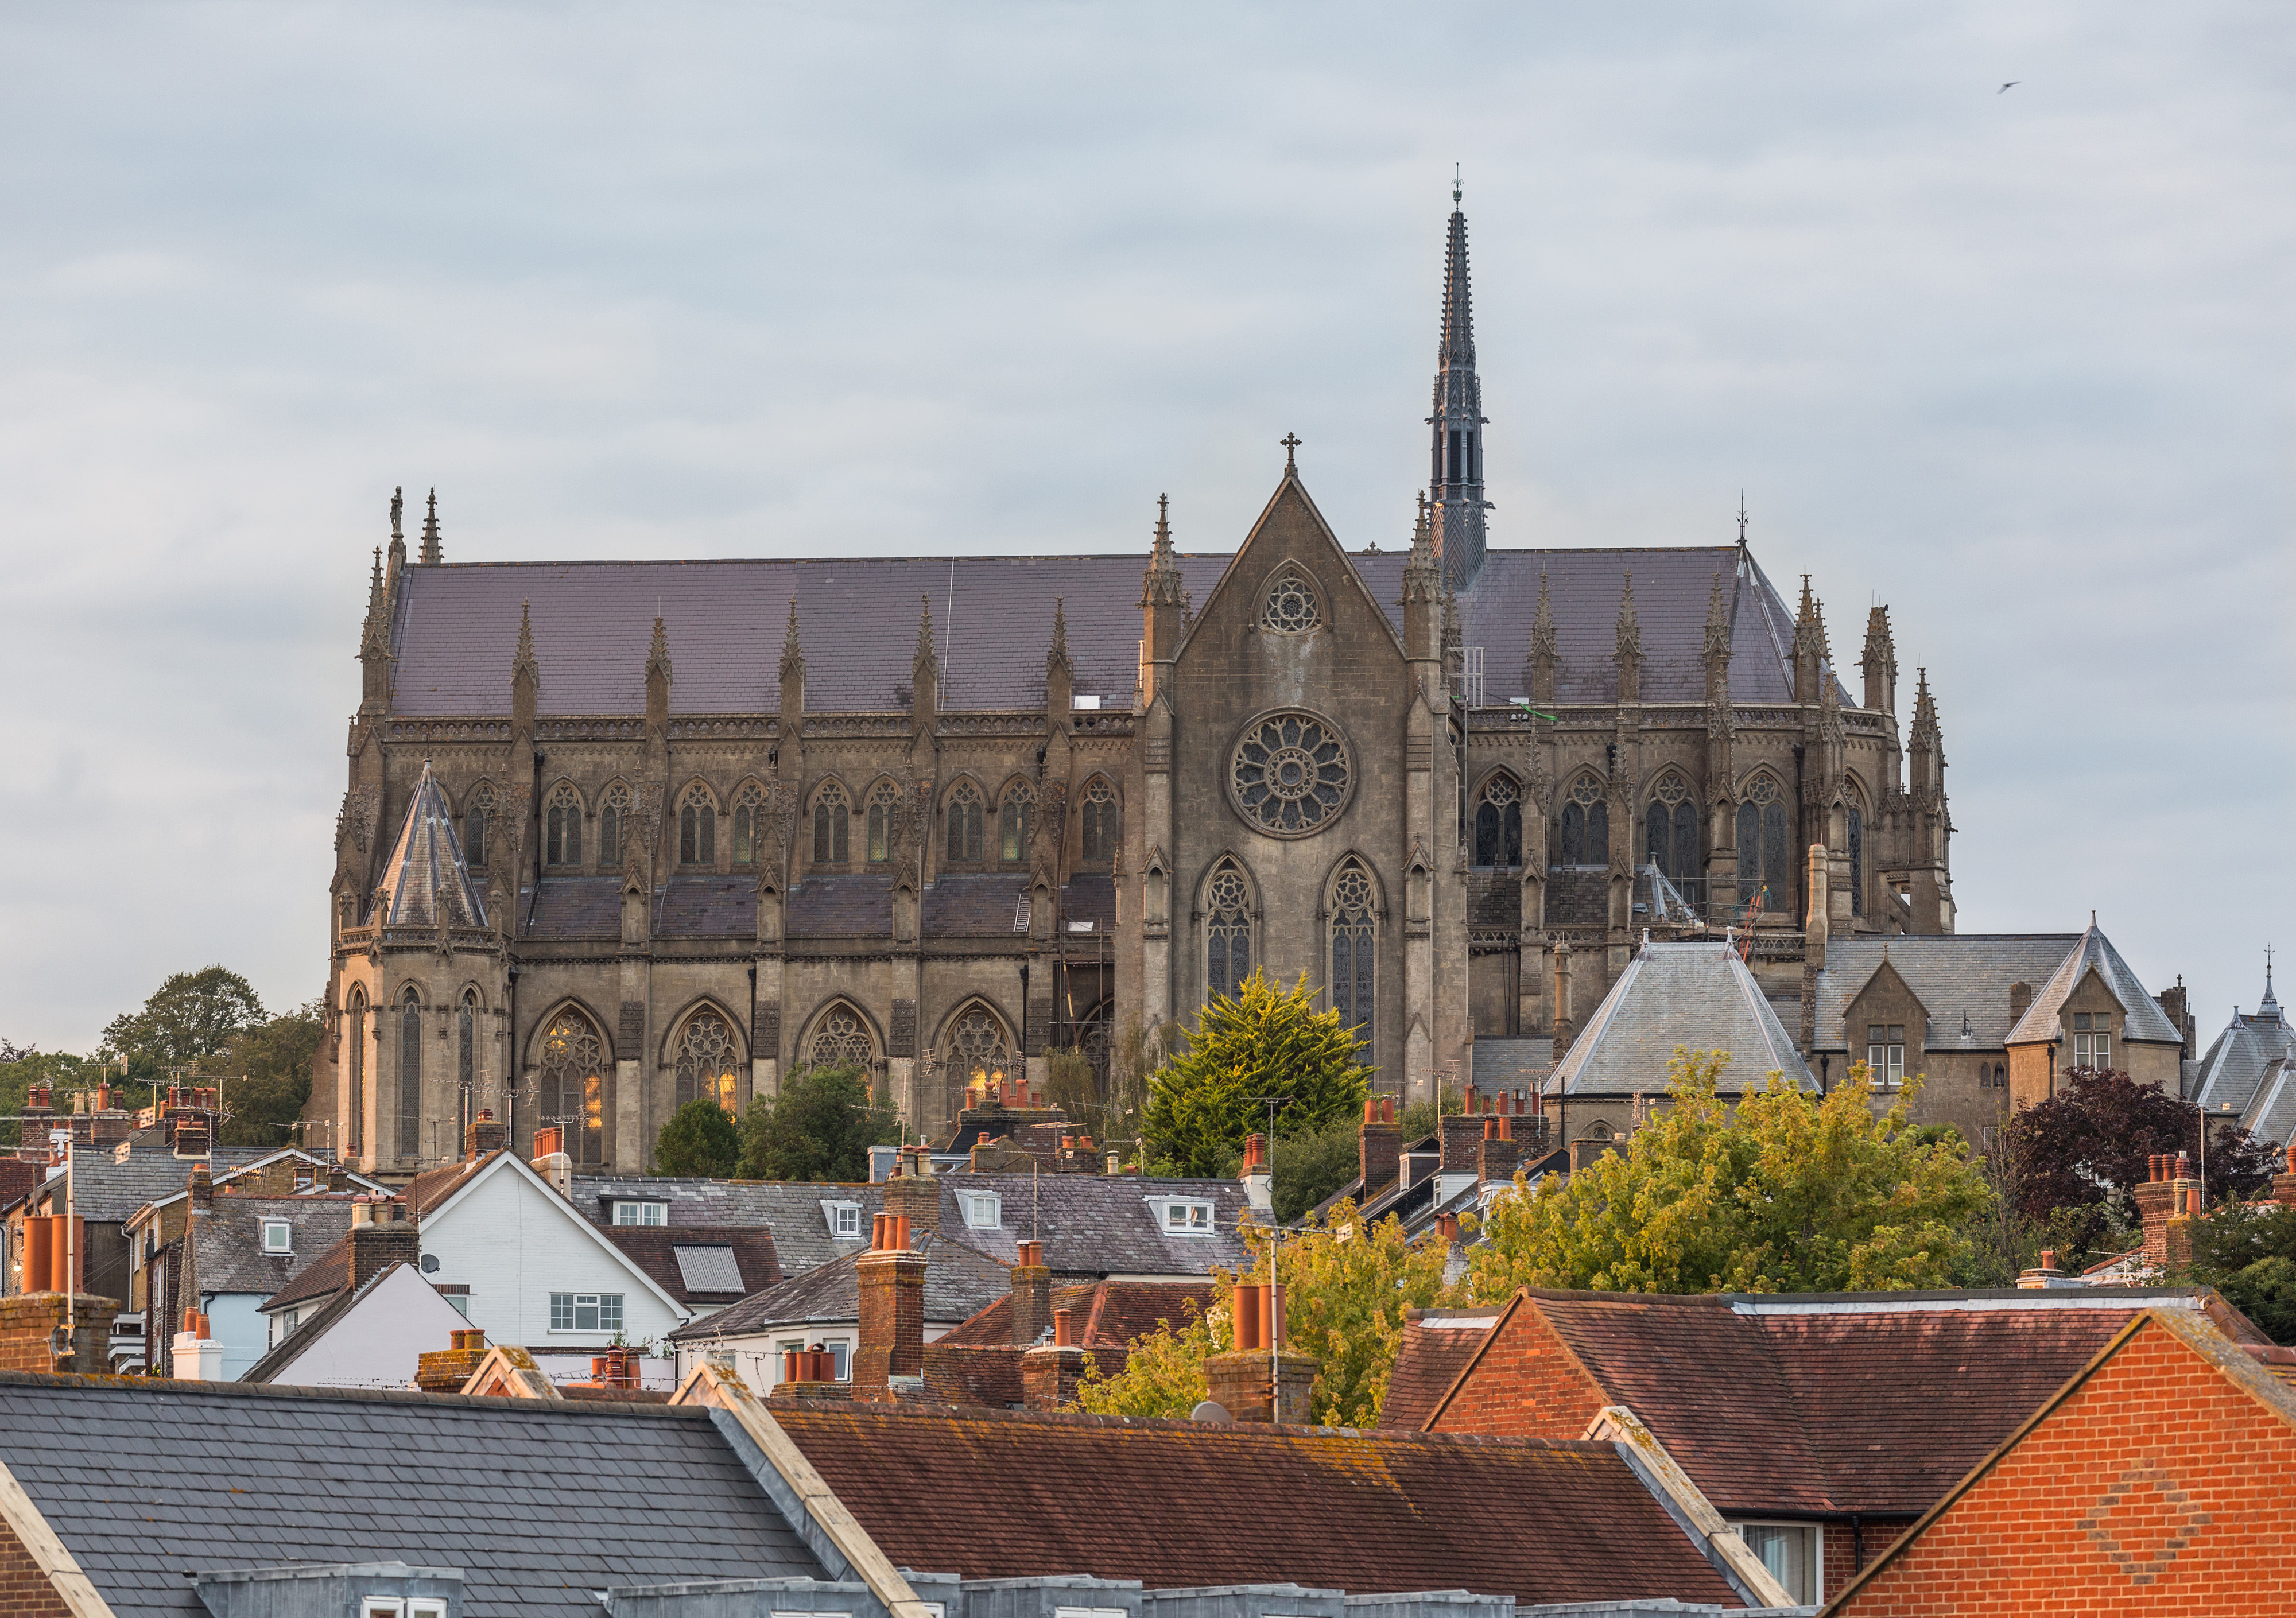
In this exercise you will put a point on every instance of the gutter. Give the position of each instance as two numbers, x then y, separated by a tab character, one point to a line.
1688	1506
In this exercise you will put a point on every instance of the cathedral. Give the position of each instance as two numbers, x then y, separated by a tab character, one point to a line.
622	834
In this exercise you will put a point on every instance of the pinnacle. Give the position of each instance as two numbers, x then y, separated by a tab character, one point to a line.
430	550
1059	653
1458	345
658	654
792	655
526	665
924	657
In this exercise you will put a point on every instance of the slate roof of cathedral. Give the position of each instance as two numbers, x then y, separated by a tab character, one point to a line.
539	1504
2272	1115
2235	1066
1950	973
1191	1504
456	628
957	905
1699	995
425	882
2142	1019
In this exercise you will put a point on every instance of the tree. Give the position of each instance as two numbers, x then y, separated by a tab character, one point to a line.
191	1016
1164	1372
60	1071
1795	1192
819	1128
700	1140
2091	1143
2247	1251
1311	1164
1267	1040
269	1066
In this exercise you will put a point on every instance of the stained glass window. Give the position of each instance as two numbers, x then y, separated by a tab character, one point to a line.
1102	820
410	1075
1015	819
1498	822
1289	775
1354	933
1291	605
1228	955
697	829
707	1061
964	819
840	1040
562	829
574	1086
884	804
613	813
832	814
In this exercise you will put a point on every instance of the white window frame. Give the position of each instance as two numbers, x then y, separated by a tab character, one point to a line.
2092	1039
628	1214
280	1228
381	1606
978	1204
1885	1063
603	1302
1199	1215
426	1607
1816	1534
839	1215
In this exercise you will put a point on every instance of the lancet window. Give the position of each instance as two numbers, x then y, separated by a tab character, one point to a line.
841	1039
697	829
574	1086
1584	836
884	809
965	825
831	818
749	824
707	1064
1104	821
561	842
1498	822
1016	818
613	818
410	1074
1355	935
475	816
1227	930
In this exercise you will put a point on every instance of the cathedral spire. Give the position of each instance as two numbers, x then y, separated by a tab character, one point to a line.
1455	461
1161	585
430	552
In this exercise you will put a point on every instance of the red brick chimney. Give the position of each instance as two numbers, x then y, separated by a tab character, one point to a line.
2283	1186
1032	1295
484	1134
1500	1154
446	1370
2167	1201
1051	1371
380	1238
1259	1379
1381	1153
892	1281
913	1193
202	1186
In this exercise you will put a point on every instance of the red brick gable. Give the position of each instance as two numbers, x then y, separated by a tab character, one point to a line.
1524	1381
2157	1480
25	1590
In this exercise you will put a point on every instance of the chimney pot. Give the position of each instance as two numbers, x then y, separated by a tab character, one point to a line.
1271	1316
1245	1307
1063	1334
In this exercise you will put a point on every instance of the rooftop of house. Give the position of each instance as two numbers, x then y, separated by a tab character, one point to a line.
1695	994
234	1254
1954	975
798	1213
539	1504
959	1283
1094	1225
109	1188
1822	1403
1175	1503
2141	1016
701	1266
2236	1065
978	1363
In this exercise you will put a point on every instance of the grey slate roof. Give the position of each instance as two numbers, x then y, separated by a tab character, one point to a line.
574	907
791	1209
230	1236
2235	1063
537	1503
108	1191
1951	973
840	907
959	1283
457	629
1513	1064
425	882
2271	1115
1698	995
1098	1225
2142	1019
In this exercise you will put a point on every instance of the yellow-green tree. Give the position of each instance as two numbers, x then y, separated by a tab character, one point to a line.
1266	1040
1794	1193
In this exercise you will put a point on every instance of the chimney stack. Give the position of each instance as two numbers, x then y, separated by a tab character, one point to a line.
1565	1030
202	1186
2166	1202
1051	1371
913	1193
1380	1152
1500	1154
2283	1186
380	1238
447	1370
195	1355
1259	1176
1032	1295
810	1373
892	1283
551	1159
1259	1380
485	1134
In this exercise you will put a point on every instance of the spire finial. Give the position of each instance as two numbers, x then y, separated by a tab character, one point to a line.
526	665
1458	185
1741	524
924	657
397	505
1059	653
1290	442
431	551
658	654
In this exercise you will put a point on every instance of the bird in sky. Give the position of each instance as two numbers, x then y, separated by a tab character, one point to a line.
2012	85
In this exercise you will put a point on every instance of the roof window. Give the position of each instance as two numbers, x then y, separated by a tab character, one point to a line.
844	1220
1183	1215
983	1210
278	1236
641	1213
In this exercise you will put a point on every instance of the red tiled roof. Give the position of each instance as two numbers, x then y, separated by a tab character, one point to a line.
1429	1362
653	1248
1175	1504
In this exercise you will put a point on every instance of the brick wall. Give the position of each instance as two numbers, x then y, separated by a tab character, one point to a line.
892	1318
29	1320
1526	1385
2157	1486
25	1591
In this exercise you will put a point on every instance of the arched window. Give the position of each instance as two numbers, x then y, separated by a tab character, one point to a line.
1016	818
1354	934
884	807
749	823
1670	829
466	1044
574	1086
1585	831
355	1037
475	816
561	842
1498	822
1104	821
1689	865
1764	859
1857	862
707	1061
831	815
964	818
410	1074
975	1048
697	829
1227	930
841	1039
613	814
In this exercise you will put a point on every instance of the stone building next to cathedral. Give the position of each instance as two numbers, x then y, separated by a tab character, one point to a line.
618	836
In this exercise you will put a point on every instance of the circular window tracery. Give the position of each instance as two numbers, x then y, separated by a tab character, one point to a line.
1292	606
1290	776
839	1041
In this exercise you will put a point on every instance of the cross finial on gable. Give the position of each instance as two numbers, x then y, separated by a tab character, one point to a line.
1290	442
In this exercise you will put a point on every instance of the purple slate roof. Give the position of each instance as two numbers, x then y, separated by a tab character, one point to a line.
1090	897
575	906
457	627
840	905
968	905
707	906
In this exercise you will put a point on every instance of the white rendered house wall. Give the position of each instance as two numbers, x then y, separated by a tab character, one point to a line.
377	1343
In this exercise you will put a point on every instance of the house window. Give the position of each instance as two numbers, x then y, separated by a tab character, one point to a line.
983	1210
1885	1055
844	1219
1187	1218
641	1213
585	1311
278	1236
1792	1552
2093	1039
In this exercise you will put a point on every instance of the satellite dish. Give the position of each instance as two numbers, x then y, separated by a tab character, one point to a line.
1210	1411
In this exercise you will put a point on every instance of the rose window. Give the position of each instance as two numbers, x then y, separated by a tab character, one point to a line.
1290	776
1291	605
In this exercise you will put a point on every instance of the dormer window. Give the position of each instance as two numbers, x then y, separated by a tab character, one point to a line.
641	1213
2093	1039
1183	1215
844	1220
278	1236
983	1210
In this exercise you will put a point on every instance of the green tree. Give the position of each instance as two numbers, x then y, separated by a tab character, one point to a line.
1310	1164
1164	1372
819	1128
700	1140
2247	1251
1267	1040
60	1071
1794	1193
268	1071
192	1014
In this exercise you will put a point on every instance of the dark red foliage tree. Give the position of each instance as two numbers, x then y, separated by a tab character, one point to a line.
2091	1143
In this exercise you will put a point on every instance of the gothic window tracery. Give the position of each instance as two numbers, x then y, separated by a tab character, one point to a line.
1670	830
1857	862
354	1040
1227	930
1353	937
1016	818
965	821
976	1048
1290	607
1104	821
749	823
562	828
831	818
841	1039
574	1086
1763	860
1498	822
697	828
466	1044
1584	834
1095	1036
613	817
1289	775
410	1074
707	1061
884	804
475	816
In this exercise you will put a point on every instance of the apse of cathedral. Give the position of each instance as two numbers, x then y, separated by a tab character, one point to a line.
622	834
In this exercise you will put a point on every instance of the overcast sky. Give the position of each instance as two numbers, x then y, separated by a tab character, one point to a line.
663	280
